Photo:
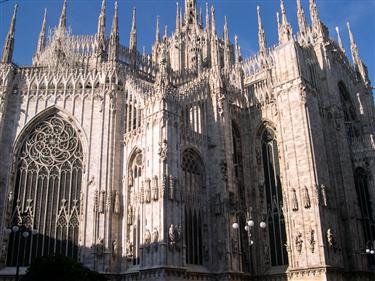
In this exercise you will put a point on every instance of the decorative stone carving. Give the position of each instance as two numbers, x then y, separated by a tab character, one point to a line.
99	247
163	149
155	239
142	194
299	242
155	189
148	191
331	239
294	200
117	204
323	190
306	198
130	179
114	248
96	201
109	202
129	250
164	186
175	236
312	241
130	215
147	238
101	201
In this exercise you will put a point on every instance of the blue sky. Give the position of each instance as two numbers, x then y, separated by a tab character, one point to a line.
83	14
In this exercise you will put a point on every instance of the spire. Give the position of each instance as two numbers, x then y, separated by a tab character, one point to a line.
181	19
200	16
213	20
207	17
9	41
133	33
301	18
226	31
114	37
157	36
101	22
339	39
360	66
165	32
237	50
261	35
278	23
62	22
177	18
42	34
314	13
190	11
285	30
227	56
353	45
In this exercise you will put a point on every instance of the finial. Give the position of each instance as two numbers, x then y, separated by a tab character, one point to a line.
114	38
261	35
165	32
9	41
213	20
226	31
42	34
314	13
285	30
237	50
207	17
62	22
133	33
157	36
339	39
200	16
178	25
101	22
353	45
301	18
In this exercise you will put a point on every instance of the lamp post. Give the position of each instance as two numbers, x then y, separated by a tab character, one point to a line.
370	248
250	224
25	228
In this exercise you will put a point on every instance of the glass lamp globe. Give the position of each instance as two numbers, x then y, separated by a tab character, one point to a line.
367	251
263	225
15	228
247	227
25	234
235	225
250	223
251	242
7	231
372	252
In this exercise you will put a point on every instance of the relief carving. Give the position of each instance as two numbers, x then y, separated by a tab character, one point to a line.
155	189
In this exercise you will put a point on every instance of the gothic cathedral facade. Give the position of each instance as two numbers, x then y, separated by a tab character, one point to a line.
191	162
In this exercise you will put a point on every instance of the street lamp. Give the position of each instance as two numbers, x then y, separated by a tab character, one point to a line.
248	228
370	248
25	228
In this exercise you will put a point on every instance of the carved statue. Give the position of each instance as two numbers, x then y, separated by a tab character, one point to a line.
155	189
99	247
117	204
323	190
129	249
175	235
130	179
299	242
312	240
130	215
163	149
306	198
155	235
331	239
147	238
148	191
114	248
294	200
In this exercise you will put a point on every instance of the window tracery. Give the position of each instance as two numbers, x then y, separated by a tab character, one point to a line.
47	192
276	222
194	183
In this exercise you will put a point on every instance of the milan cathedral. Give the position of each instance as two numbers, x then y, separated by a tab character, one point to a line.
191	162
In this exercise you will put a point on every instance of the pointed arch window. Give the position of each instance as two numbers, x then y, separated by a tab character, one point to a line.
194	182
47	192
276	222
361	179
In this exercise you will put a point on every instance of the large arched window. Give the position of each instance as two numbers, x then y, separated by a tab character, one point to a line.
47	192
361	184
276	223
194	183
348	111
